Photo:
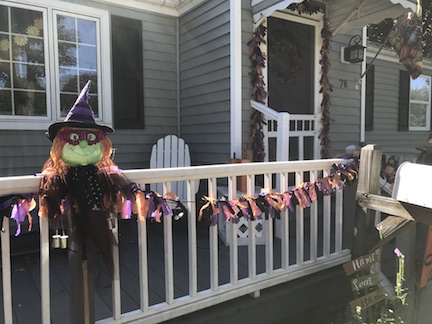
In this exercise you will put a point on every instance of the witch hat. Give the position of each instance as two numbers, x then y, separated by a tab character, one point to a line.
80	115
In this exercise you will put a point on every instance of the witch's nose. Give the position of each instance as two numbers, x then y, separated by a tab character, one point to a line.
83	144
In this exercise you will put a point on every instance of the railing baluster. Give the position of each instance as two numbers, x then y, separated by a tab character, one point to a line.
250	184
143	264
268	229
116	292
338	221
45	276
213	244
168	252
232	186
284	223
313	221
192	239
299	225
327	221
6	271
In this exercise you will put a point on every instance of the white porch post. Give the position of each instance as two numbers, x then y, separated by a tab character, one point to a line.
362	83
235	79
282	142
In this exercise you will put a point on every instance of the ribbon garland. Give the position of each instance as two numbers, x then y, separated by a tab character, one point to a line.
19	206
144	204
272	203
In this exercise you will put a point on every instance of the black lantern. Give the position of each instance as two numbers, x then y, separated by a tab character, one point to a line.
354	52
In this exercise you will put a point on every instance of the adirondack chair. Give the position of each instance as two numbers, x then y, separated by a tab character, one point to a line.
170	152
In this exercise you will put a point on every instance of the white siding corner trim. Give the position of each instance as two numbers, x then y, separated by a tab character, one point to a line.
235	79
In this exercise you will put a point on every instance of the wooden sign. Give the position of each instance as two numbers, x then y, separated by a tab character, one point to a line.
361	263
364	282
368	300
426	272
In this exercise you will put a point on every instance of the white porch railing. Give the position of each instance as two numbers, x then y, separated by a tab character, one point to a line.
284	126
314	245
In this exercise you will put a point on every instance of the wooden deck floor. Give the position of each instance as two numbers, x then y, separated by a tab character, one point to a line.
26	272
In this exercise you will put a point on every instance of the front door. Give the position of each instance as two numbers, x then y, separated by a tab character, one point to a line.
293	86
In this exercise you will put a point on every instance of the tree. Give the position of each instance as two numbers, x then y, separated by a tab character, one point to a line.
378	33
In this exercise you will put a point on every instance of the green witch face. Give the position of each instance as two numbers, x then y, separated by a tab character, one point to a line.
83	146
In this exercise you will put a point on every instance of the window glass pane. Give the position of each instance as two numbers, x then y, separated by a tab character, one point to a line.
89	75
420	88
5	102
29	103
4	47
418	115
87	57
35	51
4	75
86	31
29	77
66	102
22	70
66	28
67	54
4	19
68	80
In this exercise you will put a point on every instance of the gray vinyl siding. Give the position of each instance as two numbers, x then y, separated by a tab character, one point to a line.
345	102
385	131
24	152
205	81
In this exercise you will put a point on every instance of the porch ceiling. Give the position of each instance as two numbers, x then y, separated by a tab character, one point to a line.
344	15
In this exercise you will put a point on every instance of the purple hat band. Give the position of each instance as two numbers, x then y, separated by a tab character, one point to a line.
80	115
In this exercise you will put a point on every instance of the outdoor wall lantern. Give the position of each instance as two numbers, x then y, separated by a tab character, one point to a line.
354	53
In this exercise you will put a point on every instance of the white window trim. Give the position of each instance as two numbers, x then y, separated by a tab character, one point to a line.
428	111
104	74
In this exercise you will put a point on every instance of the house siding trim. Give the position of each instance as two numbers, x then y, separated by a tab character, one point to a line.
235	78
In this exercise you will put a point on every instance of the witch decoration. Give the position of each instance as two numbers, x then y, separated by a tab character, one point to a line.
79	179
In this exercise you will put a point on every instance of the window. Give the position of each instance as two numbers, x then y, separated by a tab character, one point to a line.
414	102
419	107
47	54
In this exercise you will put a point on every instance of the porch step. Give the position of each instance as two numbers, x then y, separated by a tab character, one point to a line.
316	299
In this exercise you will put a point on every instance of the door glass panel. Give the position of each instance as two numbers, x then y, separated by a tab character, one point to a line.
290	66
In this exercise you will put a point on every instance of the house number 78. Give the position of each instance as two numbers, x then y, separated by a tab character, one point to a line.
343	83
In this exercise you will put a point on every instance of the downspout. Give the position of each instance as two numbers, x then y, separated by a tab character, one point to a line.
178	75
235	79
362	82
